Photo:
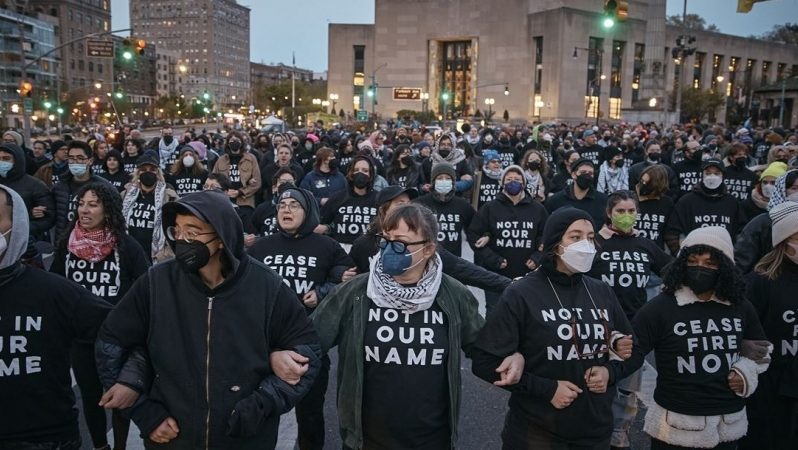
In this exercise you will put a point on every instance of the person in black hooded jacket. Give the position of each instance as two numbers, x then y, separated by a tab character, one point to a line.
214	386
311	264
707	205
35	194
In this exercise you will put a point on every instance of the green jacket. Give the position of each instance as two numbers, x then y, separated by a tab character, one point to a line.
340	320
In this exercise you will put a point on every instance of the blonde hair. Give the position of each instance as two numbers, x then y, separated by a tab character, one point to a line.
770	264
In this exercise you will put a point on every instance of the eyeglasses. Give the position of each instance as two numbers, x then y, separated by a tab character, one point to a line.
291	207
79	160
175	234
397	246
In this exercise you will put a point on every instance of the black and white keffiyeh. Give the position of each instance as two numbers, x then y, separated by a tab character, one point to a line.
385	292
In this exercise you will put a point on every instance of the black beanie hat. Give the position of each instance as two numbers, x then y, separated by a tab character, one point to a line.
295	194
558	222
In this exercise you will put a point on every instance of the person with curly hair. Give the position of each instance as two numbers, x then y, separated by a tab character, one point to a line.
98	254
708	345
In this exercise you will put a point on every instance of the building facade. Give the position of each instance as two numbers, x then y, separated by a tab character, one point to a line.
538	60
211	37
76	18
170	73
35	38
268	75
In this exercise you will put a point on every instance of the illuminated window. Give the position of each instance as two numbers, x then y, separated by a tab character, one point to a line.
456	77
538	65
591	106
640	50
616	73
698	69
615	108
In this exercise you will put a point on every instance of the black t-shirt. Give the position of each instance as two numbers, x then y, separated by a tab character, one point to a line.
625	263
98	167
697	210
234	174
689	173
350	218
652	216
118	179
695	346
103	278
488	190
264	219
406	350
593	153
185	183
129	163
739	182
142	221
453	217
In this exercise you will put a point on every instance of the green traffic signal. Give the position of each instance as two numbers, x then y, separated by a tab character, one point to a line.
119	95
445	96
60	110
48	105
608	22
127	54
206	96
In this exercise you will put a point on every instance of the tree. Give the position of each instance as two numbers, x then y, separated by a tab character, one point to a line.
697	103
693	21
787	33
506	116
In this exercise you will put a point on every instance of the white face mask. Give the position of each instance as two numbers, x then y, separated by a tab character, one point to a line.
793	197
579	256
768	190
3	242
188	161
713	181
443	186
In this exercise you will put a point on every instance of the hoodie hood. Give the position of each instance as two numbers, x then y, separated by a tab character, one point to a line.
17	239
311	215
215	208
19	161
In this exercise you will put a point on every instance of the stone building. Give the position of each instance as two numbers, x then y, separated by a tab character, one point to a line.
553	59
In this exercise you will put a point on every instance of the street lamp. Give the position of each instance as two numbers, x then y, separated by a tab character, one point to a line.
445	98
424	101
489	102
334	99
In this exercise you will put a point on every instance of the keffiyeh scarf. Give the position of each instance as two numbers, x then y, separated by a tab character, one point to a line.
92	246
385	292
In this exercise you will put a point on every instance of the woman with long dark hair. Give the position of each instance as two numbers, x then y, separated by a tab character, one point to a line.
773	409
403	170
98	254
326	179
697	328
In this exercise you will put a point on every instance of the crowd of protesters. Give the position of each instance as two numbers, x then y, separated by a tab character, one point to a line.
197	281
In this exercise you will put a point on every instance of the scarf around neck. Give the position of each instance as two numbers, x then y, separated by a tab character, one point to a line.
131	196
92	246
385	292
166	151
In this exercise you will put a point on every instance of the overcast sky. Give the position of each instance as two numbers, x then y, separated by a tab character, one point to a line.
301	25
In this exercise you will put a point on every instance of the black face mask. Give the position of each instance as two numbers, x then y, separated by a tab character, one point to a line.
148	179
740	162
444	153
698	156
234	146
192	256
360	180
167	139
701	279
407	160
333	164
654	156
533	166
645	190
619	163
584	181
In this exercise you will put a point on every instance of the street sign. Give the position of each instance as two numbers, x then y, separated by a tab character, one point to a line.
99	48
362	115
407	93
28	106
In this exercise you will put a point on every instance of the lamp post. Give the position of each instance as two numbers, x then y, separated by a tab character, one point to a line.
424	101
445	98
490	102
334	100
595	83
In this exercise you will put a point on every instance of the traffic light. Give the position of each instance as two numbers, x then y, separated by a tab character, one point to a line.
140	44
47	104
206	95
370	91
132	47
445	96
506	89
615	11
25	88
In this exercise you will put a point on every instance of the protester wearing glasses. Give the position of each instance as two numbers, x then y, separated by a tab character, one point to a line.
211	319
698	328
570	330
399	330
98	254
625	261
311	264
79	158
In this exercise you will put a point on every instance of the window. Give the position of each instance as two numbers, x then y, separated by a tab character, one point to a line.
91	66
538	64
765	71
615	108
593	82
734	62
358	80
616	73
698	69
99	68
780	71
456	77
640	50
717	61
